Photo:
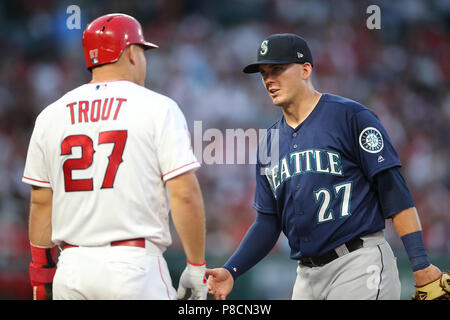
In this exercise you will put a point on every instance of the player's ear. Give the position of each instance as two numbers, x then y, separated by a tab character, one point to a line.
130	52
306	70
134	53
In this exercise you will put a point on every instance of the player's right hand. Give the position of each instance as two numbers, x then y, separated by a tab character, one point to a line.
220	282
193	277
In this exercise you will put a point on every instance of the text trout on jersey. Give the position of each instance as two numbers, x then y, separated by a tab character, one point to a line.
93	111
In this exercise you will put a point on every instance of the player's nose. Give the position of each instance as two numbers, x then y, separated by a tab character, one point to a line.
268	81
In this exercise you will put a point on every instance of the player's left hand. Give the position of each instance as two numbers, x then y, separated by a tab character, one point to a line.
438	289
193	277
427	275
220	282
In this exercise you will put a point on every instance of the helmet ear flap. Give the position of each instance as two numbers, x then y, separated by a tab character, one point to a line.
105	38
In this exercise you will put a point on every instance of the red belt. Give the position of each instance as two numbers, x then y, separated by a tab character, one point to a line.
139	242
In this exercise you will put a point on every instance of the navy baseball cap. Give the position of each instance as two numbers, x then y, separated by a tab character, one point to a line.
281	48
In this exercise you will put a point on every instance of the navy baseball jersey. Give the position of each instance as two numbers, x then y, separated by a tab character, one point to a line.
318	178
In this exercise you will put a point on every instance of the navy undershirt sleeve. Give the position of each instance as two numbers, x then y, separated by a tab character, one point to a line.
260	238
392	191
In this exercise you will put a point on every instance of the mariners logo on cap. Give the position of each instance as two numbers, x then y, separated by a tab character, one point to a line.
264	47
371	140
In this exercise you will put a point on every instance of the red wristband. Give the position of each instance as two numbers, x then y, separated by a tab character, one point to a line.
43	256
197	265
40	275
42	267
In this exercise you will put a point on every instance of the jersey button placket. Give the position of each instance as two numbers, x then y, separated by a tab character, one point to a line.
294	140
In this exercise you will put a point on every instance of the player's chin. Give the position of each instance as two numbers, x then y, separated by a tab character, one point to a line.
277	101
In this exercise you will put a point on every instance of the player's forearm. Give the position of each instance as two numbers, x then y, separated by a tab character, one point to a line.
186	203
40	220
257	243
40	228
406	221
189	221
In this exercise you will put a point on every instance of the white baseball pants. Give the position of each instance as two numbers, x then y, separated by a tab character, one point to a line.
112	273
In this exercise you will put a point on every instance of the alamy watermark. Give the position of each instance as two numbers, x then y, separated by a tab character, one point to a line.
374	20
73	21
235	146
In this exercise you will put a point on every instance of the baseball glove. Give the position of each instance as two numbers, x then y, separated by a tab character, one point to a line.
436	290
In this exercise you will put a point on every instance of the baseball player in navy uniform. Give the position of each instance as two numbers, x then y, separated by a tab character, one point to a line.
335	181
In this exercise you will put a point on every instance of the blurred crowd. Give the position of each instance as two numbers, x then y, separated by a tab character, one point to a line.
401	72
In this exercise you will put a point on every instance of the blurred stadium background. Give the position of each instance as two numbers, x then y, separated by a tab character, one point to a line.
401	71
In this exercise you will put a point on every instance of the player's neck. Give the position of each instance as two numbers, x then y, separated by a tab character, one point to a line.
106	74
301	107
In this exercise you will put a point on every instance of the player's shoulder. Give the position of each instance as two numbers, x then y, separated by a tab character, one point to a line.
141	90
270	129
152	98
50	111
266	138
339	103
276	124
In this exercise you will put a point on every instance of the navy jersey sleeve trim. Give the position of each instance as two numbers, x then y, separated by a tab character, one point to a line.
375	172
393	193
261	237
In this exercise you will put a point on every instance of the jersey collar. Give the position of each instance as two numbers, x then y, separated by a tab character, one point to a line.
287	128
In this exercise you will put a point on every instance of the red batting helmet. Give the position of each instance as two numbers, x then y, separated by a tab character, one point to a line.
105	38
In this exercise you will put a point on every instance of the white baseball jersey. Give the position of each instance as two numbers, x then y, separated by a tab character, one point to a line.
106	150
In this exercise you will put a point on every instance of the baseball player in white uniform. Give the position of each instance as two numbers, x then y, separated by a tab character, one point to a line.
99	161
